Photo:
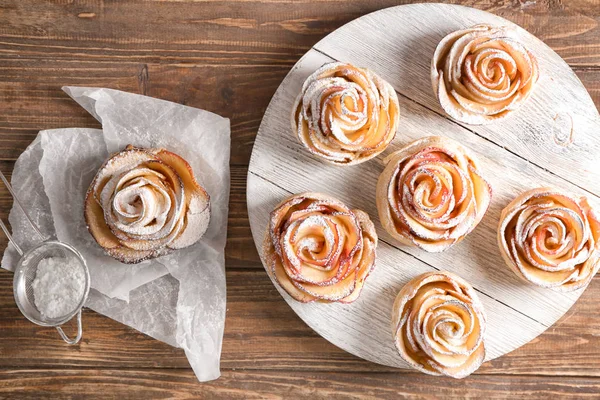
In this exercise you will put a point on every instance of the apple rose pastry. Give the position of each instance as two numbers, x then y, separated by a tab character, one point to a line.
481	74
345	114
439	325
550	238
144	203
431	194
316	248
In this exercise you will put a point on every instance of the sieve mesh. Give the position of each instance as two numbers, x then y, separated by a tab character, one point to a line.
25	274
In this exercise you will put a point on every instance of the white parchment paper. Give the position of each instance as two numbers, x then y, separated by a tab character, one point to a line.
179	298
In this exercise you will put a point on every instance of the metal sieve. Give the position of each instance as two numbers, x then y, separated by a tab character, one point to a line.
26	269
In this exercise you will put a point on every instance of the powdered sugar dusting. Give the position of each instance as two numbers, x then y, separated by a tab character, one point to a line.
58	287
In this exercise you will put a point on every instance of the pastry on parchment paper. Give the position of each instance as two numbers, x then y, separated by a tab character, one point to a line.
145	203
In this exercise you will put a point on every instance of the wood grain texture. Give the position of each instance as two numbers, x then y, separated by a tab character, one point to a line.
181	384
229	57
511	153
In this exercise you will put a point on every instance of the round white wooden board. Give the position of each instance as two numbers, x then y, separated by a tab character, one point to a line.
531	148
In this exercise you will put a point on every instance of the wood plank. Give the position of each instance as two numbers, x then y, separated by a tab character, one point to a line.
274	31
181	384
240	251
590	78
266	334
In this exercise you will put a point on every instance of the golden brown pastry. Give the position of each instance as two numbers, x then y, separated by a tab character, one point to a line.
551	238
316	248
439	325
431	194
482	73
345	114
144	203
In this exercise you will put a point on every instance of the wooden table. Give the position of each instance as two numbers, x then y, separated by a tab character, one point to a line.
229	57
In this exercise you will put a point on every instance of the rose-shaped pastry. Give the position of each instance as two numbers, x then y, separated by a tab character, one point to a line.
431	194
316	248
551	238
345	114
482	73
144	203
439	325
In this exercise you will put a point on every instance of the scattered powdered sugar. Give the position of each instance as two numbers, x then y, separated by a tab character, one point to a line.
58	286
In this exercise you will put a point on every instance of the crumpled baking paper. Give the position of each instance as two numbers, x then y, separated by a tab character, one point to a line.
178	299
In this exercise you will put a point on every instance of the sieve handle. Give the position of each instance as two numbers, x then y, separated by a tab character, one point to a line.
10	238
64	336
18	202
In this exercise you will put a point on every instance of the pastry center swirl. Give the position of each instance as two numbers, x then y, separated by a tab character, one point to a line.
144	202
142	205
433	190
